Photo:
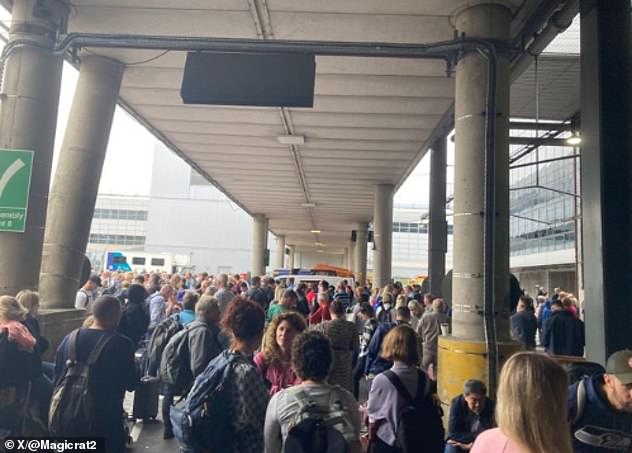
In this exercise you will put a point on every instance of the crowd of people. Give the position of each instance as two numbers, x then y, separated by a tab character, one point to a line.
252	365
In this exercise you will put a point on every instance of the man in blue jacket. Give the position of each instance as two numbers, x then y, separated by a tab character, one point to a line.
470	414
375	364
600	408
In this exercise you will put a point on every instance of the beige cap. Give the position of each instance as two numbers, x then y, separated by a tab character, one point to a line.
620	365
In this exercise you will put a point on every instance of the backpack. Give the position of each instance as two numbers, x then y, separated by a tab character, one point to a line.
71	411
385	314
160	337
420	428
200	421
318	429
174	364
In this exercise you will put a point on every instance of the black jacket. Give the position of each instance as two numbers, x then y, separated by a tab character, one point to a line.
523	328
564	334
134	322
459	428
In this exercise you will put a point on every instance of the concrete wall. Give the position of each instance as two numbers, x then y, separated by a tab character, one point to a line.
548	277
56	324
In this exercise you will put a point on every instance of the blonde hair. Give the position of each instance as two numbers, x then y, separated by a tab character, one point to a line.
279	291
11	309
531	407
401	344
29	300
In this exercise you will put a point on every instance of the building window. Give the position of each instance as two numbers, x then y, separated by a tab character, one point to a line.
118	239
120	214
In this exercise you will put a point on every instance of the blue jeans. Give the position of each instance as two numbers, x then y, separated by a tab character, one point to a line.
452	449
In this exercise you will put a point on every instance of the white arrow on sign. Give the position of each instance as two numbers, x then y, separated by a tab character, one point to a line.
10	173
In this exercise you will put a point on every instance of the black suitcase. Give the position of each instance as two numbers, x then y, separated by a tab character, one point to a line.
146	398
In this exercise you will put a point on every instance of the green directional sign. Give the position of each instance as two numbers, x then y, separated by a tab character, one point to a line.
15	181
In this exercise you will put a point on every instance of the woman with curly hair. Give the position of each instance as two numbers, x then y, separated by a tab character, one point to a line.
274	362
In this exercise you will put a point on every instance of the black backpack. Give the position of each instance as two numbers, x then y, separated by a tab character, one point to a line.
318	429
420	428
160	337
72	412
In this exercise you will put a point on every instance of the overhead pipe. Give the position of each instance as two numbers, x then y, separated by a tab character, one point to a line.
557	23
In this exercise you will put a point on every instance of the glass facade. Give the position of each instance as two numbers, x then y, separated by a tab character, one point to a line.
543	201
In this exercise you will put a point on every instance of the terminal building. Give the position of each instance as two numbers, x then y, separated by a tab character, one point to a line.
315	160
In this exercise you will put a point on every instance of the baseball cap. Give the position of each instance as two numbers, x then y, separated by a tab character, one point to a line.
619	364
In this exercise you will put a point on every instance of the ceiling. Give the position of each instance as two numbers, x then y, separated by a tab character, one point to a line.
372	117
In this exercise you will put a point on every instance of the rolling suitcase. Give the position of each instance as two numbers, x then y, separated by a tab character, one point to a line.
147	393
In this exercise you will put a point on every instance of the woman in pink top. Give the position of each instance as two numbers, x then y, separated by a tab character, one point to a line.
273	363
531	408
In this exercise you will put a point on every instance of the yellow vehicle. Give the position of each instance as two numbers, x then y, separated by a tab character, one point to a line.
417	280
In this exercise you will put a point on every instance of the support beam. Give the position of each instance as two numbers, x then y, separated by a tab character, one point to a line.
280	252
382	235
487	21
606	174
28	118
290	257
360	253
477	348
74	193
259	244
352	256
438	226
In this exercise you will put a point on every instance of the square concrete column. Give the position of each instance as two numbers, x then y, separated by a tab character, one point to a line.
28	118
382	234
74	193
360	253
438	227
280	252
352	256
259	244
606	174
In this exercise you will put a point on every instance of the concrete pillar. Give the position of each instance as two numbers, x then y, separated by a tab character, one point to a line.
465	354
290	258
352	256
382	234
73	196
487	21
280	252
606	170
360	253
28	118
438	227
345	258
259	244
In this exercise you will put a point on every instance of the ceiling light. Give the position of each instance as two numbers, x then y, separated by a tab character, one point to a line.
291	139
314	231
308	205
574	140
318	244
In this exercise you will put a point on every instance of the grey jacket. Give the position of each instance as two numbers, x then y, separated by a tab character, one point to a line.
204	344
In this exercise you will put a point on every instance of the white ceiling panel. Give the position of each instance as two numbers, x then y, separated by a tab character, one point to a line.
371	116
